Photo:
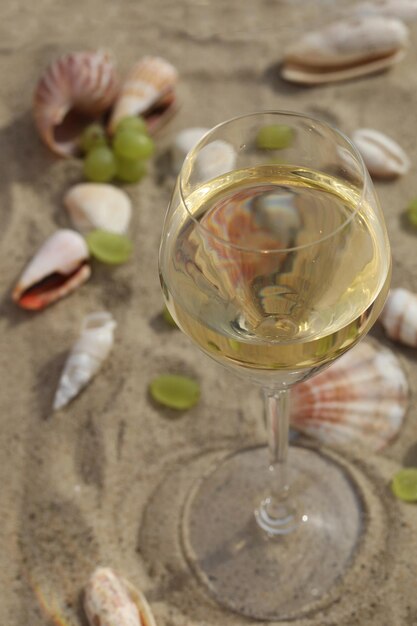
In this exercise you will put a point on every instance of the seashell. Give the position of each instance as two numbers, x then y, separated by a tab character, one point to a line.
405	10
86	357
74	89
98	205
362	398
399	317
215	159
382	156
112	601
345	49
185	141
147	91
58	267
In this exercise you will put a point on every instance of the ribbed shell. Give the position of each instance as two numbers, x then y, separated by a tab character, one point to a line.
78	82
399	317
383	157
362	398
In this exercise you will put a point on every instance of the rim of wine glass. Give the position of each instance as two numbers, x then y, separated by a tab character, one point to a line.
191	154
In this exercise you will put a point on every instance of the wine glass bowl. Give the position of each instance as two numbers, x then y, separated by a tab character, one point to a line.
274	260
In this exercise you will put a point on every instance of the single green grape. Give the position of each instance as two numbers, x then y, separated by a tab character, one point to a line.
100	165
174	391
93	136
404	484
274	137
108	247
412	212
131	122
129	144
129	170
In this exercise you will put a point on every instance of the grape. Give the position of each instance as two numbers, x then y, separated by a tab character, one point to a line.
131	122
404	484
129	144
176	392
108	247
100	165
274	137
412	212
93	136
129	170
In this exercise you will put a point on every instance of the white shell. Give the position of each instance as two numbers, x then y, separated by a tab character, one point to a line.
113	601
383	157
216	158
362	398
184	141
345	49
98	205
405	10
64	253
86	357
399	317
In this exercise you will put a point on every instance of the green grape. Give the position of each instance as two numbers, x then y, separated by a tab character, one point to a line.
275	137
108	247
129	144
129	170
93	136
100	165
176	392
131	122
404	484
412	212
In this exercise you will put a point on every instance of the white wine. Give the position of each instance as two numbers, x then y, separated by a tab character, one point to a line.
275	268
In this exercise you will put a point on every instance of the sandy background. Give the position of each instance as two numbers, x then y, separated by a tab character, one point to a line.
102	481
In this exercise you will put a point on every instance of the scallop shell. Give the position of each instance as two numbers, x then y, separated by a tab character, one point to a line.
405	10
112	601
98	205
86	357
147	91
185	141
74	89
399	317
345	49
58	267
383	157
362	398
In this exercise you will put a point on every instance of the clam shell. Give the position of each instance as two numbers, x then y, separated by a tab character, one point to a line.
112	601
98	205
345	49
383	157
399	317
185	141
86	357
360	399
76	87
405	10
147	91
58	267
214	159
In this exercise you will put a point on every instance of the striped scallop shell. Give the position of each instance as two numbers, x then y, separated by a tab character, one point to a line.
147	91
81	83
360	399
399	317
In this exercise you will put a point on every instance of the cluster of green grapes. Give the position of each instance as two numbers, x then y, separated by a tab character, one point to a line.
125	159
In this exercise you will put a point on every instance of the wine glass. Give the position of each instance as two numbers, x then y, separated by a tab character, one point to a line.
274	260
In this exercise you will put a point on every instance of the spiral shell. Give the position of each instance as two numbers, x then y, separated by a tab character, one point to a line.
399	317
74	89
362	398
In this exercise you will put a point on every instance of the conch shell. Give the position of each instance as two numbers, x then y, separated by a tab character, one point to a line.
86	357
399	317
112	601
362	398
74	89
383	157
58	267
345	49
405	10
147	91
98	205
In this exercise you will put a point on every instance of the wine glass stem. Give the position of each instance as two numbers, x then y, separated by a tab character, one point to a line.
276	513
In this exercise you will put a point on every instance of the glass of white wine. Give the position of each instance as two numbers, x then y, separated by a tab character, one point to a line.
274	260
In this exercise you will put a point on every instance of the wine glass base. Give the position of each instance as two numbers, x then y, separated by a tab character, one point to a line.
252	572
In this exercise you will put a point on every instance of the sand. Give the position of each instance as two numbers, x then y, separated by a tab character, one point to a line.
102	482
